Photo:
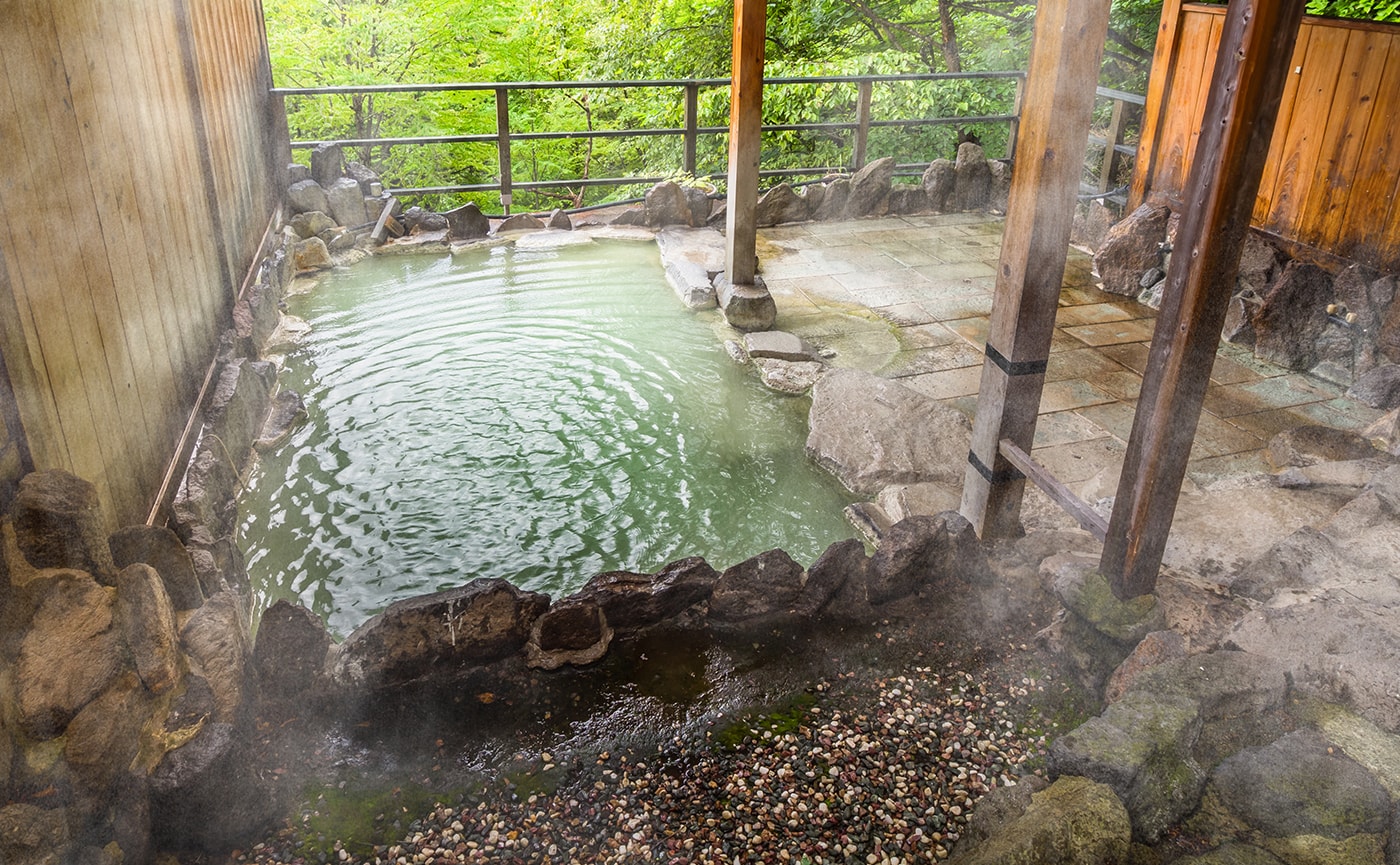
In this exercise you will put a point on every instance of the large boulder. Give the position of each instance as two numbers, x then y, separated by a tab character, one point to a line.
160	548
30	835
310	223
312	254
102	740
287	411
833	203
436	636
520	222
307	196
347	202
238	406
1132	247
58	524
1378	388
667	204
870	189
1074	821
745	307
70	654
291	651
778	205
938	181
972	184
841	571
205	508
759	589
872	432
327	161
632	601
256	314
921	551
468	222
215	640
147	622
1292	316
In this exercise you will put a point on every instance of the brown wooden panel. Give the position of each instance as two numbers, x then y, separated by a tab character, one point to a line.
1189	80
1263	200
1157	106
1377	174
1207	73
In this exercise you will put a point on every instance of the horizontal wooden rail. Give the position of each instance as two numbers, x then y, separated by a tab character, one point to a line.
1037	474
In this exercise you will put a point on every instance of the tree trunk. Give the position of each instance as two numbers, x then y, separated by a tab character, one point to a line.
952	58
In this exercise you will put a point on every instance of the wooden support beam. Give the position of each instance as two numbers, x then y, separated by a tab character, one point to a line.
503	145
1255	50
745	120
1087	517
864	92
1052	138
692	126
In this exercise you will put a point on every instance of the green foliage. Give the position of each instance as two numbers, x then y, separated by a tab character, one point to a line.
1365	10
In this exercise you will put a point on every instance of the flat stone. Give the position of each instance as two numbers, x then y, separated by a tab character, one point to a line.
778	344
1310	445
691	258
552	238
745	307
788	377
1224	685
692	284
920	499
1233	854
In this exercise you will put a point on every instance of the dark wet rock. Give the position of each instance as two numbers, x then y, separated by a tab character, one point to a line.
758	589
632	601
306	196
833	203
778	205
102	740
778	344
256	316
219	565
310	224
998	810
215	640
30	835
467	222
238	406
636	215
938	182
1302	785
1233	854
434	637
1074	820
870	189
417	220
1131	247
572	632
161	549
1292	316
1379	388
1085	592
972	184
286	414
848	565
57	520
870	519
363	175
185	765
667	204
312	254
745	307
913	553
327	161
1141	747
520	222
839	564
1155	648
296	173
206	795
70	654
1310	445
905	198
1259	265
872	432
205	508
147	621
793	378
559	221
1238	317
290	652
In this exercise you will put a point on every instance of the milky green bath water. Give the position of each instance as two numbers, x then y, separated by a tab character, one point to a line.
540	416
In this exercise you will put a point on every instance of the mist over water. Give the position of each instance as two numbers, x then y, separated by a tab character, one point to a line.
540	416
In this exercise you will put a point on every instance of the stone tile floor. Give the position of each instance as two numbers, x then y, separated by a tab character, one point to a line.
909	297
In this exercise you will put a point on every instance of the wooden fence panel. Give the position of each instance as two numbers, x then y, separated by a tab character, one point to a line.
1331	178
110	252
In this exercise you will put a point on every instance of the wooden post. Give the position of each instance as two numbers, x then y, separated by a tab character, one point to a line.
503	144
1109	166
864	91
692	125
1017	103
1158	92
1256	47
745	119
1053	138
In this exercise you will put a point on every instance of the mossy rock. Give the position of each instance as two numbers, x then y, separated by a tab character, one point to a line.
1073	820
1316	850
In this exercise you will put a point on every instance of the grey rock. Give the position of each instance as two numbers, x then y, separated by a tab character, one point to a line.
1292	316
700	204
921	499
312	254
219	565
1001	184
433	637
185	766
310	223
1141	747
972	185
571	632
1131	248
1379	388
814	194
872	432
256	316
1233	854
205	507
1310	445
1300	785
793	378
692	283
30	835
631	216
1086	593
735	350
779	205
1223	685
1259	265
70	654
306	196
468	222
938	182
296	173
667	204
1353	474
1238	315
520	222
57	520
998	810
420	221
207	795
1151	277
102	740
559	221
913	553
758	589
287	412
160	548
239	405
778	344
326	163
1152	296
745	307
833	203
290	652
1074	820
841	563
1155	648
215	640
632	601
147	621
870	189
338	239
363	175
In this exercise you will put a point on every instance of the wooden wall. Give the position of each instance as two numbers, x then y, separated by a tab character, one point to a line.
137	187
1333	175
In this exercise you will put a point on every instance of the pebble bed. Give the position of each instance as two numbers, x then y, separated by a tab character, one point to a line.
887	771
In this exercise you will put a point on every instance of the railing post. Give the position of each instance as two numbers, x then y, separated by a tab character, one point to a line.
692	124
1015	127
1111	156
503	144
863	93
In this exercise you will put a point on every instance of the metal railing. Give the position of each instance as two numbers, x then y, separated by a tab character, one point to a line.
690	132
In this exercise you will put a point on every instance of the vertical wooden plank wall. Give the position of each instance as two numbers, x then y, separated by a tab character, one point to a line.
117	272
1333	174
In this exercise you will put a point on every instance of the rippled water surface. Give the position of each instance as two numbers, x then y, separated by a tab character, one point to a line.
535	415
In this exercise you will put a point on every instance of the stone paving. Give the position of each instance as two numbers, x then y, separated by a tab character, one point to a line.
909	297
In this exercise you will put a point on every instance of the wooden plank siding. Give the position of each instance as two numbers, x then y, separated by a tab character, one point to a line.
117	271
1333	172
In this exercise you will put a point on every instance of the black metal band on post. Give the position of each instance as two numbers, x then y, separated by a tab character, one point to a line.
994	478
1015	367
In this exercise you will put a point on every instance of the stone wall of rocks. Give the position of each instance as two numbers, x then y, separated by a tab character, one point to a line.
1343	325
